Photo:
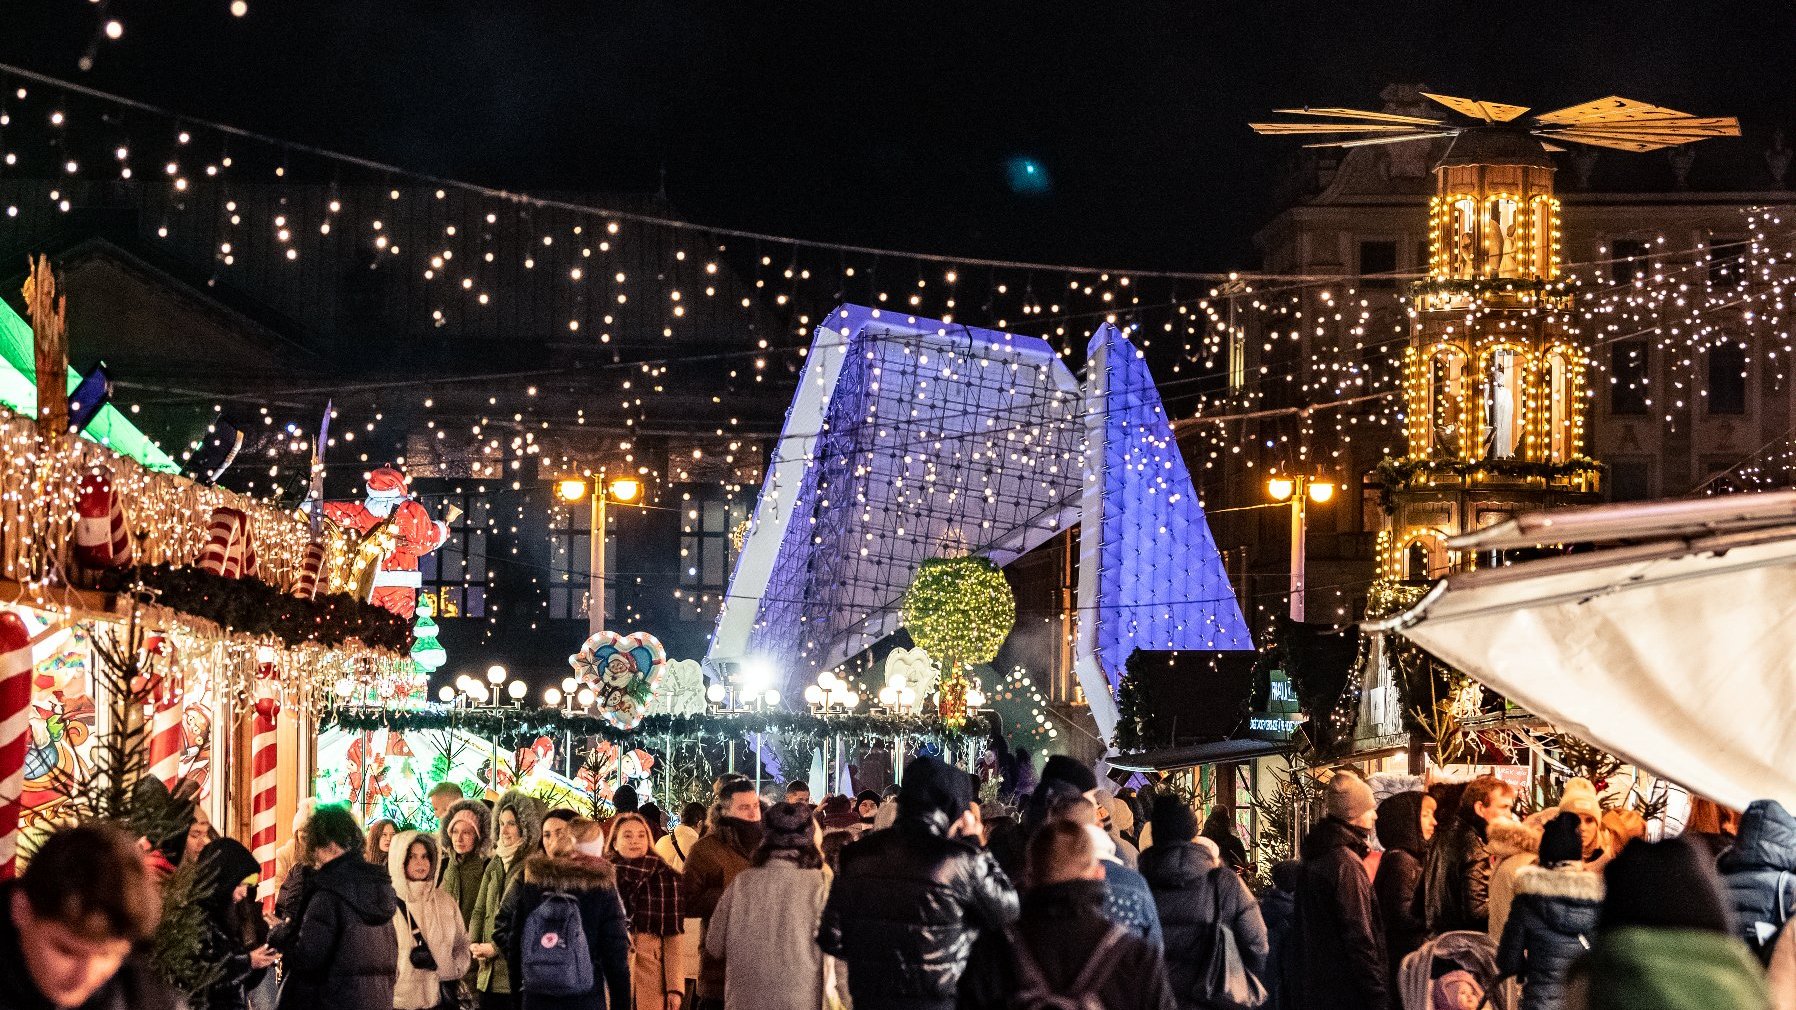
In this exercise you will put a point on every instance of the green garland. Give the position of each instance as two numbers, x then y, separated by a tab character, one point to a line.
253	607
1393	472
507	724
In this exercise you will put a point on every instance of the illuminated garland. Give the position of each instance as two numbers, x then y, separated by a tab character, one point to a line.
1392	473
250	607
507	724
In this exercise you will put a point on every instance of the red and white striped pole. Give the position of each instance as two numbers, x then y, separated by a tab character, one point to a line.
262	775
165	715
15	705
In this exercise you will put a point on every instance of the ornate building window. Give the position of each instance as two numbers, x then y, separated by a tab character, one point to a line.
1425	557
1446	377
1561	397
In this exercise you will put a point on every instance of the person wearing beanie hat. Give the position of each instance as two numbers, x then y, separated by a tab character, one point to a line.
1579	797
910	901
1339	933
1758	874
764	927
866	804
1061	768
1552	917
1172	820
1348	798
1664	939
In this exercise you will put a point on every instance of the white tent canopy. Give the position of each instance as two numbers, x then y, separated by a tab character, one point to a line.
1673	645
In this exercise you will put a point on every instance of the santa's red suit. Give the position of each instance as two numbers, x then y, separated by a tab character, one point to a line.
396	584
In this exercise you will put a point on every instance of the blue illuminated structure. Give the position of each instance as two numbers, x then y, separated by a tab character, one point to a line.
910	438
1148	567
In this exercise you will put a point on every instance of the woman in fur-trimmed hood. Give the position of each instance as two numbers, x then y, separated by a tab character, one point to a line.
517	835
593	884
1513	845
1553	918
464	865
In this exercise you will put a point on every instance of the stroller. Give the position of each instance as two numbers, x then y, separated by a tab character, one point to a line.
1474	954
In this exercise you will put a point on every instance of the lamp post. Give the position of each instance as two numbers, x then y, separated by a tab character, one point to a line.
1298	490
624	490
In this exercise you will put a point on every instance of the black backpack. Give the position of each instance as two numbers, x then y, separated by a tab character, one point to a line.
1033	991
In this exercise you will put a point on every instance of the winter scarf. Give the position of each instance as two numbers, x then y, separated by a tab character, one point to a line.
652	896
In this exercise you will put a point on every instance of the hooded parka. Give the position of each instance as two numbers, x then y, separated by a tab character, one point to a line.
1758	874
593	884
344	955
502	872
1340	956
1552	922
460	875
439	922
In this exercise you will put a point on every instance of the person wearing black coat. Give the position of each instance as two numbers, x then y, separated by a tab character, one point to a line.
910	901
593	884
1456	876
344	953
1758	874
1278	908
1190	888
1553	919
1400	876
1219	827
1339	952
234	932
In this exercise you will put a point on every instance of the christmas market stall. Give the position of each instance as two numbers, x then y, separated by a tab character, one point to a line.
1666	638
154	628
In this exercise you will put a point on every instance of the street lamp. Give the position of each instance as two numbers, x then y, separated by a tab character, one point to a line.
1298	490
623	490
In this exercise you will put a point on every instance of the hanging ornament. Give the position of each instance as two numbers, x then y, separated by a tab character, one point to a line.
101	539
267	688
959	609
622	671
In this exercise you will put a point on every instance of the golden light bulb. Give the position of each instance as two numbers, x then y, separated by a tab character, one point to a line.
1321	490
570	489
626	489
1281	488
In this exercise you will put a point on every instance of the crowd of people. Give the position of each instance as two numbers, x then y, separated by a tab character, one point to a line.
1463	904
917	899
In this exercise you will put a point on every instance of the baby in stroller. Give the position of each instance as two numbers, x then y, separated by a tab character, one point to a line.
1454	971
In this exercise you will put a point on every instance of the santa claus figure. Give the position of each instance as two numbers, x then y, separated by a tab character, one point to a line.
414	535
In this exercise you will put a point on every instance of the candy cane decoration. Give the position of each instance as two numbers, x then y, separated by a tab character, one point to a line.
101	540
15	702
306	586
165	736
228	550
263	778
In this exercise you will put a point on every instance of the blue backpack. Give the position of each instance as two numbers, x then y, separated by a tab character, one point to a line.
557	961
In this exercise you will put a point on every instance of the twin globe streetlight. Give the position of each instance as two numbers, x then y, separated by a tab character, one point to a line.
1298	490
622	490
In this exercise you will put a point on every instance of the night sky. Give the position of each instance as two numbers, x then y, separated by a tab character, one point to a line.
898	124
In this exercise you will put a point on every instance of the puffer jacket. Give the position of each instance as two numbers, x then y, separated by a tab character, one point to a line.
905	910
439	922
1456	880
345	955
1666	969
1759	873
499	877
459	876
1188	888
1339	961
593	884
1513	845
1551	922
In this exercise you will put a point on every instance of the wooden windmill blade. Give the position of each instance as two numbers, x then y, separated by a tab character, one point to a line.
1277	129
1382	117
1489	112
1614	109
1369	141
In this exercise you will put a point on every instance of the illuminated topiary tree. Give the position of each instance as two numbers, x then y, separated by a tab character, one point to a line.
959	610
